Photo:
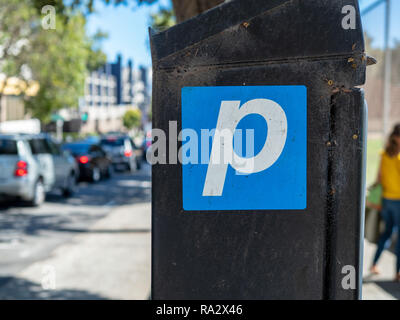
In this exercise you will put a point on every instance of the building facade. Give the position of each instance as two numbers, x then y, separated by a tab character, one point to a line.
110	91
11	99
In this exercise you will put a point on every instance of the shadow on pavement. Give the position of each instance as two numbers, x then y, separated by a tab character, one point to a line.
74	215
121	189
21	289
94	231
391	287
31	224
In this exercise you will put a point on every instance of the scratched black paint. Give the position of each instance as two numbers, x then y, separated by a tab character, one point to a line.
265	254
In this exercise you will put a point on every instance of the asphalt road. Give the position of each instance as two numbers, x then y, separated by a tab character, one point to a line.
98	241
29	234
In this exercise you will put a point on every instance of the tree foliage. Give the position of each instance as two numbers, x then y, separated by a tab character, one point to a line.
183	9
86	5
57	59
163	19
16	27
132	118
59	62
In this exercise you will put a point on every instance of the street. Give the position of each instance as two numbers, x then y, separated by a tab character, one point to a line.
382	286
94	245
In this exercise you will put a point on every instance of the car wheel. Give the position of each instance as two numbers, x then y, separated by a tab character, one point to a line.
39	194
70	186
96	174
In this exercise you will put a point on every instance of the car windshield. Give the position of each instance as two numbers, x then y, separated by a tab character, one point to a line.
112	142
8	146
77	148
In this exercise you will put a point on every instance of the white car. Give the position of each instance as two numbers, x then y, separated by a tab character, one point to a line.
58	167
30	165
19	172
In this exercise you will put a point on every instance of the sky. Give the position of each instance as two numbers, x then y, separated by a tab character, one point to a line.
127	27
373	22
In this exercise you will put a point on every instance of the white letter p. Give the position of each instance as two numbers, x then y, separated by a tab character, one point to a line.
229	117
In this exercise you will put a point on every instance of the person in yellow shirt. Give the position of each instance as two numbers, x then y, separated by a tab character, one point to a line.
389	178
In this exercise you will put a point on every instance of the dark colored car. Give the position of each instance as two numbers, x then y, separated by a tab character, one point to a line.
122	150
94	163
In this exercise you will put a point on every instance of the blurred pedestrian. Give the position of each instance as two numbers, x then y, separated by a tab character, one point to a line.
389	178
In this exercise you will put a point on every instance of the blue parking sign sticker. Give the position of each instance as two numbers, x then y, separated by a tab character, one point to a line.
244	148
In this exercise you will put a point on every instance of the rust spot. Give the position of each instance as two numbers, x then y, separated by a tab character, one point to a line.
245	24
330	82
355	137
354	66
354	47
350	60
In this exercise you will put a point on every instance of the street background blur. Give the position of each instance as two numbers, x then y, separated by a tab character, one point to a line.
83	71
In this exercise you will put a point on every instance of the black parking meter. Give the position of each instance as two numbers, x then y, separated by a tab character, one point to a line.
290	225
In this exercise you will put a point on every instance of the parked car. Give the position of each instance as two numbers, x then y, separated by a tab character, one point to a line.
122	150
65	168
58	168
31	165
19	172
94	163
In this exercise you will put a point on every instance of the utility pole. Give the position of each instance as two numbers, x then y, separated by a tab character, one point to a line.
388	73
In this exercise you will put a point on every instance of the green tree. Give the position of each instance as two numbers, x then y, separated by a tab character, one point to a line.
163	19
17	25
132	118
57	59
97	57
183	9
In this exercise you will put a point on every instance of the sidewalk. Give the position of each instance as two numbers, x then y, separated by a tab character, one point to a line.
110	260
379	287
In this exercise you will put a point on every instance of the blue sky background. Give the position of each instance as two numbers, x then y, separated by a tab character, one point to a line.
373	22
128	33
127	28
